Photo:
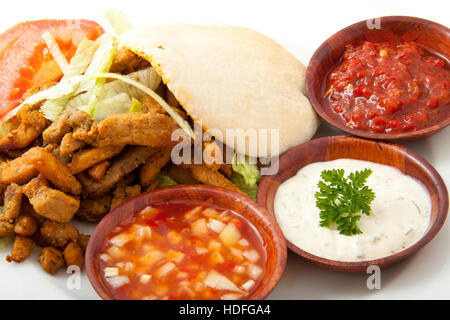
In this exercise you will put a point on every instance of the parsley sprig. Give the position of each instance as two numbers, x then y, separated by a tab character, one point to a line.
342	199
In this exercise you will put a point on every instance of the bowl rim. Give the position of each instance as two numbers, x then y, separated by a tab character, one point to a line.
384	262
326	115
269	226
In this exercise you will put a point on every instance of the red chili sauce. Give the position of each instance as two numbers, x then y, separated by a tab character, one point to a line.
183	251
389	88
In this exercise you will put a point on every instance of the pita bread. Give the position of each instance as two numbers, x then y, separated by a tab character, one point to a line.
231	78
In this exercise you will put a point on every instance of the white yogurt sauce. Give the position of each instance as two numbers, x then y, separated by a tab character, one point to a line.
399	217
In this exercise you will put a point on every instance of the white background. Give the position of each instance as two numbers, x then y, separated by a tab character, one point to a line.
300	26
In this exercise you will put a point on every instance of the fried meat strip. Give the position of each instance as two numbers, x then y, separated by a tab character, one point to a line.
59	234
98	171
129	160
11	203
144	129
50	203
153	166
181	175
71	119
73	255
22	249
26	226
210	177
18	171
69	144
31	124
6	228
86	158
93	210
122	193
48	165
150	105
125	61
51	260
83	241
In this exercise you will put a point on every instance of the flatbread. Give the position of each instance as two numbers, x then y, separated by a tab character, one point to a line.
231	78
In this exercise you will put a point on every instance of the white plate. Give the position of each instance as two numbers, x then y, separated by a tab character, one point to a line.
301	28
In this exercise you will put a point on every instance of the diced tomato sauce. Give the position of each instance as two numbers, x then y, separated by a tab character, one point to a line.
389	88
183	251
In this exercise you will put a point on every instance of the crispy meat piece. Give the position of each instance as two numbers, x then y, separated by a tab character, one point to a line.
209	177
86	158
153	166
98	171
226	170
94	210
150	105
51	260
18	171
181	175
69	144
47	164
12	203
212	155
125	61
71	119
83	241
122	193
59	234
22	249
32	123
153	185
26	226
50	203
6	229
74	256
129	160
144	129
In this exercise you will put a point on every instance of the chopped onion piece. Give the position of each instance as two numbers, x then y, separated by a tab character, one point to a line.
214	245
111	272
191	214
236	252
243	242
149	213
239	269
199	228
217	258
251	255
201	250
211	213
149	298
116	252
175	256
152	257
218	281
118	281
254	271
104	257
230	235
231	296
120	239
165	269
145	278
248	285
216	225
142	232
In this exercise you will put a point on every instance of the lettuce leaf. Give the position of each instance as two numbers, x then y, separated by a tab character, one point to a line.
54	50
239	181
250	172
165	180
136	106
118	20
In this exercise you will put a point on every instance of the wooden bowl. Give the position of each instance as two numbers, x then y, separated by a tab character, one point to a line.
249	209
433	36
332	148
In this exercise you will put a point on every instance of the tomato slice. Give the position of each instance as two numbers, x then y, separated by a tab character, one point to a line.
24	58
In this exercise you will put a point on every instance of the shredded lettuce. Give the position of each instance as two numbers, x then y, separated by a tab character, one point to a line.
250	172
115	105
118	20
101	62
52	108
165	180
178	119
136	106
239	181
82	58
54	50
147	77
